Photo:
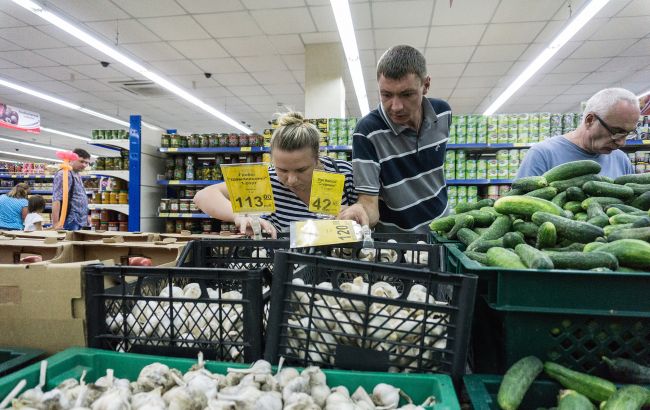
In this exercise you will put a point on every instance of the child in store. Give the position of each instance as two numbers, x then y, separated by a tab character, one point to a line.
34	220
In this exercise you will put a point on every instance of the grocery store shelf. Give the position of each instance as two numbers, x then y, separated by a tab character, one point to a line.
112	144
25	176
630	143
111	207
183	215
337	148
187	182
122	174
478	181
214	150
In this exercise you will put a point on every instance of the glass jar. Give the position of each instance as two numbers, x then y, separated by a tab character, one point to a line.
214	140
179	161
165	140
189	225
181	193
123	197
190	192
113	226
223	140
125	163
117	164
96	198
106	197
184	206
100	163
122	217
205	140
103	226
179	225
193	208
164	205
114	198
233	140
169	226
174	141
173	205
189	173
95	215
108	164
96	225
105	215
206	226
184	141
179	173
244	141
216	173
124	226
194	141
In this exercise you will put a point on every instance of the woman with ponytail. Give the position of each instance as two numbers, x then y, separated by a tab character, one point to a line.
13	207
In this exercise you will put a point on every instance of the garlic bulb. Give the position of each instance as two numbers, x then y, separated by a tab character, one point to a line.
385	396
285	375
151	398
360	395
271	400
183	398
113	399
156	375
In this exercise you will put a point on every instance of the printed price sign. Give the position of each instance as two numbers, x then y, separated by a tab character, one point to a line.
249	187
316	232
326	192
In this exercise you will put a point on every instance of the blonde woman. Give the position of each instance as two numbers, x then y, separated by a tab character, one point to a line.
13	207
294	153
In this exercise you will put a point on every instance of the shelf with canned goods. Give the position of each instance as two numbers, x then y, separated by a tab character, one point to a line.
122	174
26	176
494	146
124	208
478	181
187	182
31	192
184	215
214	150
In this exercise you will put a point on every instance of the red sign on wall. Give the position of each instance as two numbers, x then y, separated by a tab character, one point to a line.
19	119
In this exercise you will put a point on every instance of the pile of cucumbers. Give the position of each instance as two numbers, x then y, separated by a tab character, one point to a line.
582	390
568	218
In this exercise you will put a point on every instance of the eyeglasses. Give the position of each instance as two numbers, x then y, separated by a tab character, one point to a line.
618	134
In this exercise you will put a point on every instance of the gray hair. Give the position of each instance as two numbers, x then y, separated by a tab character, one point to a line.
295	133
399	61
604	100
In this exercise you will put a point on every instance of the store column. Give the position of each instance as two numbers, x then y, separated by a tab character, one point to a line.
324	89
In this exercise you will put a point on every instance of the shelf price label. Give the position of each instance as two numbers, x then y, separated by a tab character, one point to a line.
317	232
249	188
326	192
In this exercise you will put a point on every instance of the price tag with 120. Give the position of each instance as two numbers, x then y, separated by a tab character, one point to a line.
249	187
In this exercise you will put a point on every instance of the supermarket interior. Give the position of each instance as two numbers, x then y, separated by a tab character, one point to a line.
324	204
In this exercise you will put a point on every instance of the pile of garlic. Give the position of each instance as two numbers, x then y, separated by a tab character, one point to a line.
195	324
159	387
385	327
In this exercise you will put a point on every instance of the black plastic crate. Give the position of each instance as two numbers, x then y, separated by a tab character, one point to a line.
315	321
231	253
223	317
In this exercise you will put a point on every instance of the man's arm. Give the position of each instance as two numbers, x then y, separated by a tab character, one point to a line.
364	212
57	197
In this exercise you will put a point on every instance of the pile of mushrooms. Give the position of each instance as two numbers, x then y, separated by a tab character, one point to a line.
159	387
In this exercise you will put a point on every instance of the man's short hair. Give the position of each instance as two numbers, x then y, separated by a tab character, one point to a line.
82	153
400	61
604	100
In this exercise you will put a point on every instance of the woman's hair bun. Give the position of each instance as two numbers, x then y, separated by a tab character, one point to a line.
291	118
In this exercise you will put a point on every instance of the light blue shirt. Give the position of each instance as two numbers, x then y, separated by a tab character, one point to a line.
11	216
557	150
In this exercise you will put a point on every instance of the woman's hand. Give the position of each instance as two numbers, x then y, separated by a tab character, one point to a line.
245	226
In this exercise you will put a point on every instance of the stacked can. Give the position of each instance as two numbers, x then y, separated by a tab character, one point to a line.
513	163
523	128
512	128
503	189
544	126
493	191
492	168
471	129
460	165
502	129
461	130
492	129
556	124
481	129
522	154
533	127
472	194
452	130
352	124
450	164
452	196
470	169
502	164
461	196
481	168
568	122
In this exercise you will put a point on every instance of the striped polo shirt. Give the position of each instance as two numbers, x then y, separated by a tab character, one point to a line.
403	167
288	207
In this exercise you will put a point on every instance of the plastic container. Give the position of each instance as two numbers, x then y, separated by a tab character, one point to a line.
15	358
314	325
132	316
482	392
72	362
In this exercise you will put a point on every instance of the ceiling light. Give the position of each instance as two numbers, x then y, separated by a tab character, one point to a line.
30	156
341	9
130	63
569	31
8	160
65	134
47	147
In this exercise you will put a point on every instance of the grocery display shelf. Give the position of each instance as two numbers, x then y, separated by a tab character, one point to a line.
187	182
32	192
121	174
112	144
488	146
124	208
478	181
26	176
217	150
183	215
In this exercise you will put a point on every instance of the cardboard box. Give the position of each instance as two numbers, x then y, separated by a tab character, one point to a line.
186	237
83	235
119	252
59	235
12	250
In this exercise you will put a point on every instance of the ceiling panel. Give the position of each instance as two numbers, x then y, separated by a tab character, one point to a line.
219	65
247	46
27	58
199	49
265	63
623	28
228	79
83	10
580	65
153	51
287	43
175	28
415	37
402	14
66	56
498	53
443	55
8	21
229	24
510	11
463	12
60	73
603	48
333	36
443	70
7	64
29	37
284	21
125	31
481	69
449	36
210	6
274	77
24	75
512	33
150	8
294	62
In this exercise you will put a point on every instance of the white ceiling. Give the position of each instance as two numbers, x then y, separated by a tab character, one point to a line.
255	52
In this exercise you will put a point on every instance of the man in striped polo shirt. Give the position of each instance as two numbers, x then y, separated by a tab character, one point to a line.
398	149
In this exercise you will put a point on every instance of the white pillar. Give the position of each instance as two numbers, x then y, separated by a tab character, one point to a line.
324	88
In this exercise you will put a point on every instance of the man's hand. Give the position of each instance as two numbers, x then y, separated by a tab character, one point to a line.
356	213
245	226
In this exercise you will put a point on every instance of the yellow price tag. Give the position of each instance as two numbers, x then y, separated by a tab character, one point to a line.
326	192
317	232
174	215
249	187
645	142
172	149
174	182
245	149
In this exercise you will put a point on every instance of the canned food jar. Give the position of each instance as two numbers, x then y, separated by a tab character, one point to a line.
214	140
114	198
184	205
96	225
174	141
95	215
124	226
123	198
179	173
190	192
194	141
169	226
223	140
165	141
233	140
193	208
106	197
118	164
179	225
113	226
189	225
103	226
108	164
122	217
104	215
204	140
100	163
206	226
174	205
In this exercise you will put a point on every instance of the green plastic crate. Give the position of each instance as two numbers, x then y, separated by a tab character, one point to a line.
435	237
482	389
14	358
72	362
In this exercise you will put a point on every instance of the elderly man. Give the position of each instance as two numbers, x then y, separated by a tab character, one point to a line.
609	119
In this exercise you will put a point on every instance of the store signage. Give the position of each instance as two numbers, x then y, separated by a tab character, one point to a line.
318	232
249	188
326	192
19	119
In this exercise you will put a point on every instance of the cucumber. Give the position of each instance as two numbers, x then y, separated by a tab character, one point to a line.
504	258
631	397
525	205
490	210
595	209
627	371
624	219
482	245
609	229
575	231
642	201
572	400
574	247
517	381
443	224
533	258
477	256
593	387
583	261
613	211
480	231
581	216
592	246
577	182
599	220
638	188
568	214
528	184
512	239
499	227
462	221
575	193
482	218
513	191
546	236
467	236
485	202
633	178
463	207
572	169
604	201
641	223
632	253
598	188
622	207
560	199
547	193
573	206
529	229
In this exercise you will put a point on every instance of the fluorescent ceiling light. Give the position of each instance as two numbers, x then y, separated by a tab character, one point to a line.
29	156
40	146
574	26
643	94
65	134
8	160
341	9
130	63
